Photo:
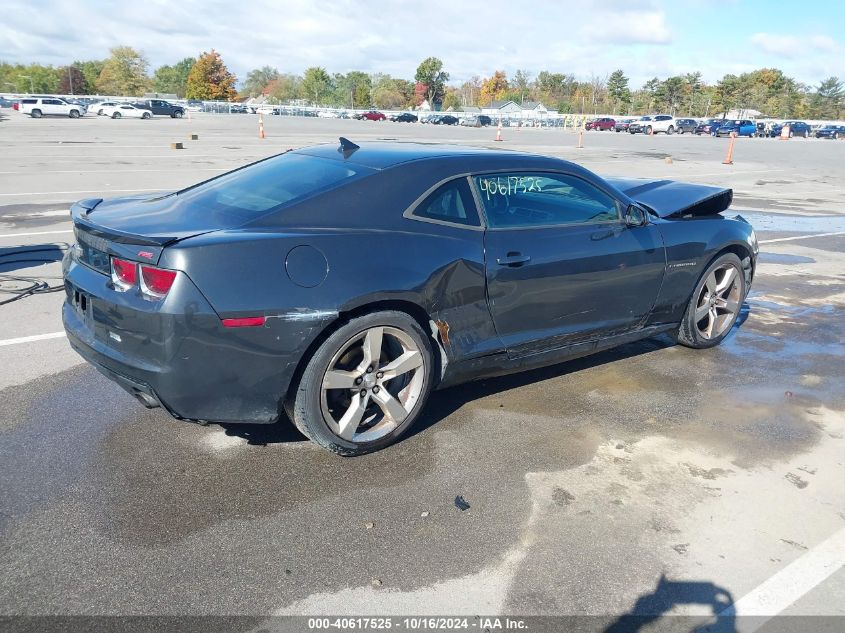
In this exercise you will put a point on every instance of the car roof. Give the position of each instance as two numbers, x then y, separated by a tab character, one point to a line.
383	155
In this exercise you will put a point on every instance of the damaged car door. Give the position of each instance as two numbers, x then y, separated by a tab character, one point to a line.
564	263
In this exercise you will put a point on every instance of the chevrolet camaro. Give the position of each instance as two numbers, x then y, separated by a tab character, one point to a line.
340	285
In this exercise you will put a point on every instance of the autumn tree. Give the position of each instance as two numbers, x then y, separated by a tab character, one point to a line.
493	88
72	81
174	79
390	93
124	73
209	79
258	80
284	88
433	78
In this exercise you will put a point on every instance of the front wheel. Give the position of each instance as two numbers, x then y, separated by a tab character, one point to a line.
74	114
714	306
365	385
116	115
35	114
146	115
648	130
670	130
177	115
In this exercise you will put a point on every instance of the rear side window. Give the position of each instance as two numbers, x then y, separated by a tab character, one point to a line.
255	190
451	202
29	101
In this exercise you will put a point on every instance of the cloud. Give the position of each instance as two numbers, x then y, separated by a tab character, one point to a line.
794	46
630	27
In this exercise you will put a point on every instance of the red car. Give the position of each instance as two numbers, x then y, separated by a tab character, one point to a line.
372	115
605	123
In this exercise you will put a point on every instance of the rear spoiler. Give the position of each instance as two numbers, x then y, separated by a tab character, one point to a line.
669	198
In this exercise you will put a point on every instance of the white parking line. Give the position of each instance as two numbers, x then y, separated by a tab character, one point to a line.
790	584
35	233
30	339
800	237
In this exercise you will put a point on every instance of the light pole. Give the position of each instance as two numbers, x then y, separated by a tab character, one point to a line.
31	85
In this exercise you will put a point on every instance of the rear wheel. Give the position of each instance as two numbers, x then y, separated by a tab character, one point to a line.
715	304
35	114
365	385
648	130
146	115
670	130
116	115
177	114
74	114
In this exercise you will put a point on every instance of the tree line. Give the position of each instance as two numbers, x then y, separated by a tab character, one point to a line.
126	72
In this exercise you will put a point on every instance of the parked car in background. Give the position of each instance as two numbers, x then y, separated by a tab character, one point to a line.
481	120
372	115
831	131
637	125
36	107
128	111
237	108
160	107
97	106
740	127
405	117
796	128
709	126
623	124
660	123
604	123
446	119
682	126
6	103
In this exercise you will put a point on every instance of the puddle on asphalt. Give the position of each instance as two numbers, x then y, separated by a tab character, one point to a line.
779	258
786	222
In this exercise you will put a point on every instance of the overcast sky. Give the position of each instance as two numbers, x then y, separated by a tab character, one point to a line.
646	38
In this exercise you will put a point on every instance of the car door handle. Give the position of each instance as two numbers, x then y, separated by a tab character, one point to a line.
513	260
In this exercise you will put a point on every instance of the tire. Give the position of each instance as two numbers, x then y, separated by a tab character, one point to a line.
73	114
791	133
36	114
806	134
670	130
116	115
319	412
693	332
177	115
146	115
648	131
835	135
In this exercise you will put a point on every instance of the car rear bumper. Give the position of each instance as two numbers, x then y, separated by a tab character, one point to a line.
177	354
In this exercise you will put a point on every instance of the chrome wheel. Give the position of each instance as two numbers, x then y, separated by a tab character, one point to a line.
718	301
372	384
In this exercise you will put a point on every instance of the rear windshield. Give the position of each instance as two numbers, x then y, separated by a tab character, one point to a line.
258	189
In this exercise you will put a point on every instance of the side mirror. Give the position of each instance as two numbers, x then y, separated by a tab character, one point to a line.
635	216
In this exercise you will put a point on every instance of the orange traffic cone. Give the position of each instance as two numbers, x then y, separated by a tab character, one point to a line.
784	133
261	126
729	159
499	132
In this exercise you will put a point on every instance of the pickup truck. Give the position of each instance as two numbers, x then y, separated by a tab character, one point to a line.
160	107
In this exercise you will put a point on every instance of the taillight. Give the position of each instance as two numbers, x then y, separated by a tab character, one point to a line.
124	273
156	282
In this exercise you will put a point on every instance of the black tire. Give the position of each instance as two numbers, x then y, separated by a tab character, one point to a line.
304	406
116	115
806	134
146	115
36	114
791	133
688	334
177	114
670	130
648	131
73	114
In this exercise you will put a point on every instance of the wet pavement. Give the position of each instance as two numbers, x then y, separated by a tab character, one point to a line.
651	476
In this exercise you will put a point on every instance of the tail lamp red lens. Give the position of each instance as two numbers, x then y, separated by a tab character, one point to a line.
156	281
124	273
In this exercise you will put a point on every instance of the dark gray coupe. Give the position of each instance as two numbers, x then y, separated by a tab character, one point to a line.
342	284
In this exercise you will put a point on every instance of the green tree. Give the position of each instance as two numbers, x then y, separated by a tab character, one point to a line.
692	86
521	84
173	79
210	79
431	75
257	80
669	94
826	102
91	70
353	89
124	73
618	90
283	89
316	85
390	93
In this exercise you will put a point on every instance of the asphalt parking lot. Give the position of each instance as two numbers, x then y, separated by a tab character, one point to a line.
651	478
